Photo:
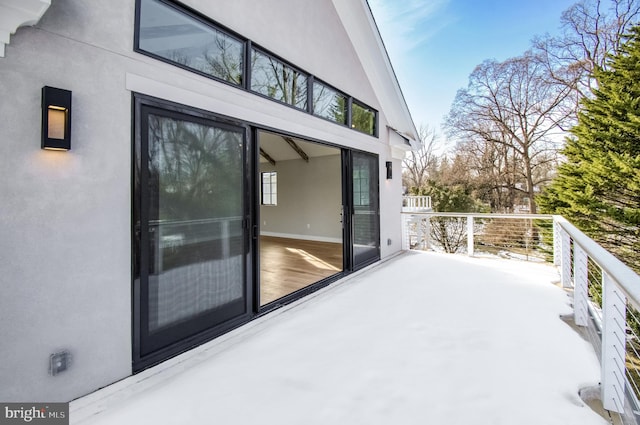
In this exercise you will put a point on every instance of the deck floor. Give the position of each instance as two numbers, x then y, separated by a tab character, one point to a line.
424	338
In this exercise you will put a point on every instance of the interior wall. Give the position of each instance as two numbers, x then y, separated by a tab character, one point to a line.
309	200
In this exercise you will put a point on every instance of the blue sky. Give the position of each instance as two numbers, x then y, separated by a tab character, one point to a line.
435	44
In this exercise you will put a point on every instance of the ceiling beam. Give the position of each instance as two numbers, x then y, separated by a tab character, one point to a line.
267	157
296	148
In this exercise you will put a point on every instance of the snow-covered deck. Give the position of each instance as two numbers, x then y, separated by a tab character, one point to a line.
424	338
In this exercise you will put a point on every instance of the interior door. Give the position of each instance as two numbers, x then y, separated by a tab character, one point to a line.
190	227
365	209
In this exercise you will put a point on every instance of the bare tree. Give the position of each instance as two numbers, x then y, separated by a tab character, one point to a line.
513	108
494	172
591	30
418	165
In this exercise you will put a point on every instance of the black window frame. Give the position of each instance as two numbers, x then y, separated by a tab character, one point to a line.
271	56
367	108
246	77
203	20
339	92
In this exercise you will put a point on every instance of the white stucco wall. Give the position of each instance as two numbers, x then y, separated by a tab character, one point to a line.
65	217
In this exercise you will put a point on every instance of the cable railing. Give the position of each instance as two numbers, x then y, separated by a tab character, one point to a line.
527	236
606	292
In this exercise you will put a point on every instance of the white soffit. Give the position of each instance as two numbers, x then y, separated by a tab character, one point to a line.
360	25
19	13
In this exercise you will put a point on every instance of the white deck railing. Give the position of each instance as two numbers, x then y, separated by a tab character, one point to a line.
606	292
416	203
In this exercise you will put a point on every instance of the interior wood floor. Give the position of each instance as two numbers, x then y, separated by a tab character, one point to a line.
287	265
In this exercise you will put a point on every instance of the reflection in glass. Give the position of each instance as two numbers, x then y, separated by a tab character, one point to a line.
278	81
329	104
363	119
361	186
366	222
179	38
195	219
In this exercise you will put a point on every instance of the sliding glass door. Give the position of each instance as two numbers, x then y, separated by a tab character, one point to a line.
190	236
365	209
198	221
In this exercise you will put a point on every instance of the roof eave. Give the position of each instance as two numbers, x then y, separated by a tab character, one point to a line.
363	31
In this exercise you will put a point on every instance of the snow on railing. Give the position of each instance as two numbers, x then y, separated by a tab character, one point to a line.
606	292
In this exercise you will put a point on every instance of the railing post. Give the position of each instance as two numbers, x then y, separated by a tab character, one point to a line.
419	232
565	259
406	232
427	232
470	236
557	243
614	312
580	286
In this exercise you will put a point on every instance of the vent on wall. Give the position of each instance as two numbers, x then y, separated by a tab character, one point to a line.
59	362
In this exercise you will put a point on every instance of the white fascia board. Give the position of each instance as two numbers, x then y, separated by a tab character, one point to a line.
360	25
19	13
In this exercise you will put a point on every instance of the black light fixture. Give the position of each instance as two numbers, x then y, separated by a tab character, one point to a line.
56	119
389	170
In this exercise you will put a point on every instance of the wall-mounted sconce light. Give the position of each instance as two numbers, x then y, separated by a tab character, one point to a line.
56	118
389	170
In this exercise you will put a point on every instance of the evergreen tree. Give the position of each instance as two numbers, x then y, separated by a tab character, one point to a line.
598	188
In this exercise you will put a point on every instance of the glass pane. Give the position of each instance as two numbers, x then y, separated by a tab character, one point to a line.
329	104
195	219
363	119
180	38
366	224
273	78
269	188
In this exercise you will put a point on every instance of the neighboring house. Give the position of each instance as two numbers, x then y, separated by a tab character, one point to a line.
207	137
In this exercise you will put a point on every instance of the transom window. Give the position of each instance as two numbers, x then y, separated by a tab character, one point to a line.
363	118
275	79
169	32
185	41
329	103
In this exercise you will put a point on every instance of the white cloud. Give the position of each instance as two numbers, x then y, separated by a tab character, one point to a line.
405	25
